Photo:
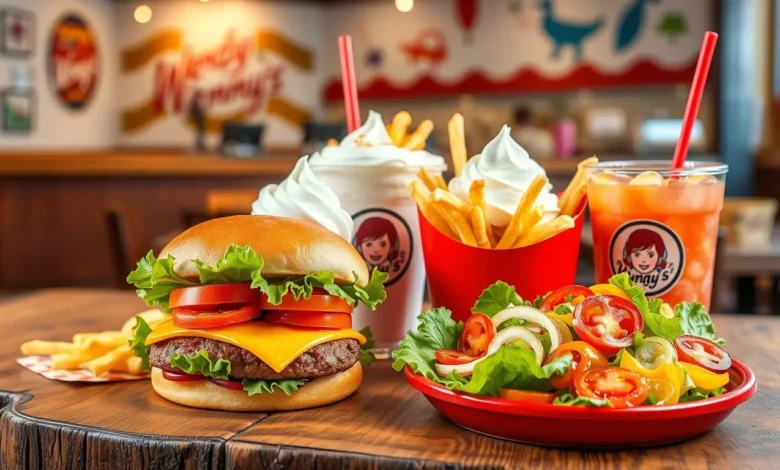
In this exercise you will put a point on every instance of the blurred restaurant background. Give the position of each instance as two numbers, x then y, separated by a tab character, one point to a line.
101	156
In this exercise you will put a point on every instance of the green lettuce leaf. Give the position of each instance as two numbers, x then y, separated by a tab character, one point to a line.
655	323
510	367
367	356
650	399
567	398
563	309
239	264
155	278
436	330
373	293
200	363
498	297
696	321
696	394
137	343
253	387
539	300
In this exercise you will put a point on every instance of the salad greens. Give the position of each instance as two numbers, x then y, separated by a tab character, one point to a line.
137	343
436	330
155	278
567	398
499	297
253	387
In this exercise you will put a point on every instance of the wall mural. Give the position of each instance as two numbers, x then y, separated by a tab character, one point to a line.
73	61
451	47
17	32
238	77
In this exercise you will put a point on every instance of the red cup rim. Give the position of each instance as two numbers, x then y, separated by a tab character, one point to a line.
729	400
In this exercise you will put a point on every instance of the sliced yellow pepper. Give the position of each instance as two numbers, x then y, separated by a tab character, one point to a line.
673	372
567	318
705	379
609	289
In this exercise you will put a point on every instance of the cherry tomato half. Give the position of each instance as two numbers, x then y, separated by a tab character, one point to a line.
213	294
452	357
181	377
229	384
584	357
522	395
607	323
559	296
476	335
213	317
320	301
622	387
338	321
702	352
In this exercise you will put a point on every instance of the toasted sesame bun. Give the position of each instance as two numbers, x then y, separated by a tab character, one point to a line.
204	394
289	247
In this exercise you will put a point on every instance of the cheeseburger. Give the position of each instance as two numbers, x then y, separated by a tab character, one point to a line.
260	315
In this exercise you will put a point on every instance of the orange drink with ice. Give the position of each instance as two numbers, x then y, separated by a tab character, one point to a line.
658	225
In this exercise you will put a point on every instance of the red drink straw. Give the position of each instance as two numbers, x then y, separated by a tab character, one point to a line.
351	105
694	98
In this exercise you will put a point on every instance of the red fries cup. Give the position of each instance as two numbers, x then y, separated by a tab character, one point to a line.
458	273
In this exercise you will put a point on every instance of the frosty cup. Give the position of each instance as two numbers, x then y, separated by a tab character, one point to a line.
387	235
658	225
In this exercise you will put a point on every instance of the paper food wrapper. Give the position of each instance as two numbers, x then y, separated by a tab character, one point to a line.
42	365
458	273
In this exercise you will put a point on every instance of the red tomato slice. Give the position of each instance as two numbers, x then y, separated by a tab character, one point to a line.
213	317
476	335
320	301
559	296
522	395
181	377
584	358
607	323
622	387
229	384
452	357
702	352
213	294
339	321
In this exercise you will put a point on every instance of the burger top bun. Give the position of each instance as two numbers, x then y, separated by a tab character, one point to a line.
289	247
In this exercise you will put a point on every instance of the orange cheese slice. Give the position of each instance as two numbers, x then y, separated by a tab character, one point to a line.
276	345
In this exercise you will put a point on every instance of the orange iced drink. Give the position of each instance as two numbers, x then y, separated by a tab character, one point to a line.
658	225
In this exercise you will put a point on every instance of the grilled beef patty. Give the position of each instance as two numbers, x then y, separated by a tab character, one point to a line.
322	360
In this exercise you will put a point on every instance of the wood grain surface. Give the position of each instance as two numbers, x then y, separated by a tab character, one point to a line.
386	424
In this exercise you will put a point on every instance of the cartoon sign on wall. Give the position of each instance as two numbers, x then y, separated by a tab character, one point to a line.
238	78
454	47
73	61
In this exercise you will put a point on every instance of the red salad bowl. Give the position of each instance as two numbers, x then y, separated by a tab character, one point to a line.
607	428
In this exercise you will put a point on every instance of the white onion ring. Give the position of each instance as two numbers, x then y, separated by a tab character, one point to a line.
535	316
514	333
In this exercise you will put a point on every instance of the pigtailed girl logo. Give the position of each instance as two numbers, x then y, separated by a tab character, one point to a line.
651	253
384	240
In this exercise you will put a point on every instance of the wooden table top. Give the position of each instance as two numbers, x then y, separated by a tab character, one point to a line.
386	424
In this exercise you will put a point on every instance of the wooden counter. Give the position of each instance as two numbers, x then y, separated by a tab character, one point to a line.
385	424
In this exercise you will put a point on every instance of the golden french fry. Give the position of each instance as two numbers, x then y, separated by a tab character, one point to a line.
576	182
333	143
420	135
427	179
45	348
133	365
523	207
442	211
152	317
458	150
543	231
460	224
66	361
398	128
108	361
574	201
479	224
110	339
533	217
446	197
439	179
422	196
477	196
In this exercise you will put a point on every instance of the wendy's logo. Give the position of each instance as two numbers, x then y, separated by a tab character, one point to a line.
384	240
651	253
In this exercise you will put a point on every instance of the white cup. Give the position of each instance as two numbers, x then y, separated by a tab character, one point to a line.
387	235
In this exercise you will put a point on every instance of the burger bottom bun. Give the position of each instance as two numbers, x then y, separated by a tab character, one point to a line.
204	394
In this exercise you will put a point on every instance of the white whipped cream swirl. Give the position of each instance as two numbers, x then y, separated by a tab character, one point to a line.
303	196
508	171
371	145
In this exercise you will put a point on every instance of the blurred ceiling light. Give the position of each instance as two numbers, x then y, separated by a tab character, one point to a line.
204	1
143	14
404	6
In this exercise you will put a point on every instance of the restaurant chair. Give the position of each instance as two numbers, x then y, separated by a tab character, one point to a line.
129	241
